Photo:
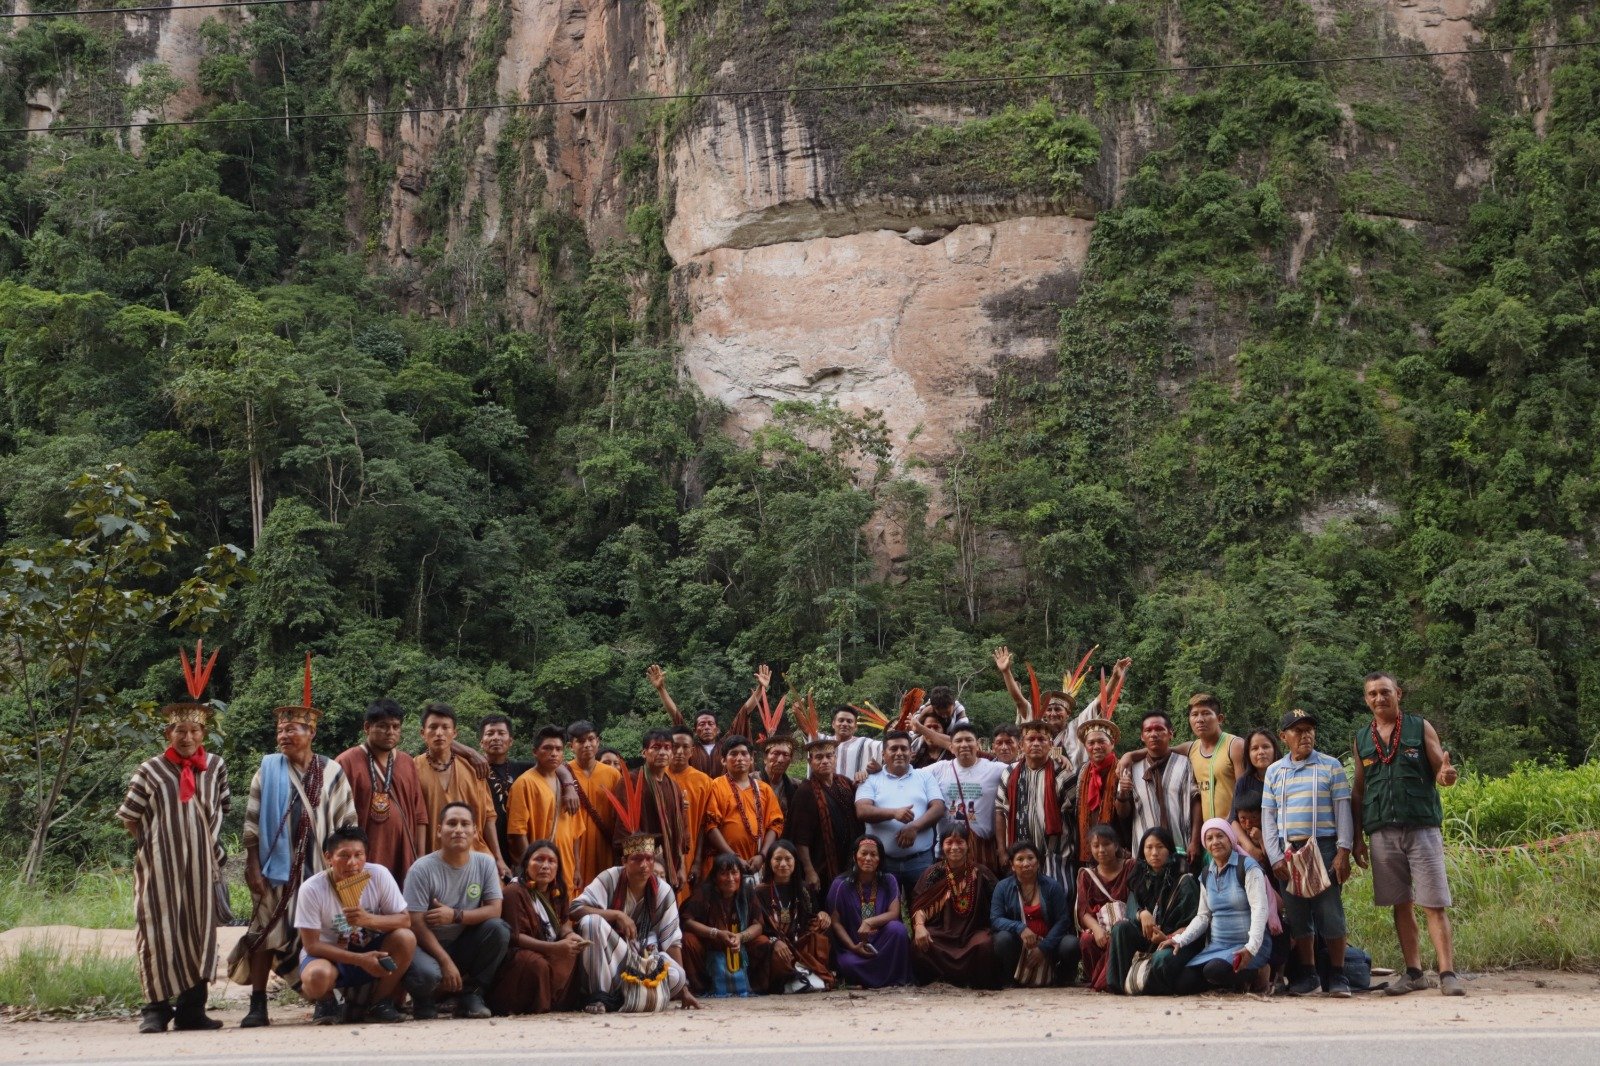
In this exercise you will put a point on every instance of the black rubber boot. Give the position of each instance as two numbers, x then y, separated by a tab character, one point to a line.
191	1011
257	1016
154	1017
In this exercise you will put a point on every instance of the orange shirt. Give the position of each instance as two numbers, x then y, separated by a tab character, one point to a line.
744	815
534	812
599	818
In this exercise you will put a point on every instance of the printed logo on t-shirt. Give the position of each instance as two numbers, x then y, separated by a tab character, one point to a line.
474	890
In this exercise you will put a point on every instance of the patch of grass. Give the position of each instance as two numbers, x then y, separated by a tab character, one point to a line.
1532	802
40	980
93	898
1512	909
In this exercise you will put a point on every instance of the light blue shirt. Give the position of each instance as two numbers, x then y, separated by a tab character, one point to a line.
915	789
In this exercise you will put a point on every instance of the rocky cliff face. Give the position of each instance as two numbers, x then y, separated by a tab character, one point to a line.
792	276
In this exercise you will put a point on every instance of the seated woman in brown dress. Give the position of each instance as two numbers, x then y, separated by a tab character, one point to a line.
536	976
950	938
1102	899
793	920
725	951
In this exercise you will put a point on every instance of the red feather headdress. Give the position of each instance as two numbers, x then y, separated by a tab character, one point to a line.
870	717
630	812
1072	683
305	714
908	706
196	676
805	716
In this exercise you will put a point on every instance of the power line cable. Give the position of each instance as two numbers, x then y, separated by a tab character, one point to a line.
167	9
711	94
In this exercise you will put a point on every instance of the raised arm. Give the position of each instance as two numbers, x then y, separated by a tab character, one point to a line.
1002	663
658	681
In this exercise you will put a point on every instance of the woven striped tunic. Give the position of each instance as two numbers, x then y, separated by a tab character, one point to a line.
176	862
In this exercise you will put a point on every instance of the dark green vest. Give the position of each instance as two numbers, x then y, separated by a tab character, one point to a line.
1403	792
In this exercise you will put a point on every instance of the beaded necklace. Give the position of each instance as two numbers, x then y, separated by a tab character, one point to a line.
869	905
964	892
1386	757
744	816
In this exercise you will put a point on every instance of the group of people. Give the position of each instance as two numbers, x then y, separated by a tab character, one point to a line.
464	879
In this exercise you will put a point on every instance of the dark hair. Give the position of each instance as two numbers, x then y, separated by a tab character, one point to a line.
1205	699
705	714
782	738
558	888
959	829
681	731
1147	715
1277	750
549	732
1018	848
1380	675
494	719
345	832
844	708
653	735
457	803
1006	729
964	727
854	871
1105	832
895	734
383	709
941	696
609	751
726	861
731	741
439	710
580	729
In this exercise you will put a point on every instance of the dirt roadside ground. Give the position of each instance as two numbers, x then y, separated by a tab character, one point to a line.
1522	1000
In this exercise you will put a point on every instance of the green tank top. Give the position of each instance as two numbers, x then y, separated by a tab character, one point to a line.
1215	776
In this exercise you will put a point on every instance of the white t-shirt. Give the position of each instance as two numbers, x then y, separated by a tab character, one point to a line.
318	907
974	797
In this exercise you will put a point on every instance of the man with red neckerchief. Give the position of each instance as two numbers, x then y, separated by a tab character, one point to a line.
174	810
1400	766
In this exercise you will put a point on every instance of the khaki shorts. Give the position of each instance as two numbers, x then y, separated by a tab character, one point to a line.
1408	867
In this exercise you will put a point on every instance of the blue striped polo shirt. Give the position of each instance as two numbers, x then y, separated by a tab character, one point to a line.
1291	786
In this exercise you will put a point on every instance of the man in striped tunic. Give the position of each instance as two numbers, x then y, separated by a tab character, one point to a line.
174	811
297	798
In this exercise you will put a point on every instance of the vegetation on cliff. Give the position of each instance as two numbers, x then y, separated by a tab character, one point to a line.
1316	409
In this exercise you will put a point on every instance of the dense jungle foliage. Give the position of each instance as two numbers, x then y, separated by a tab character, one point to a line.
1310	417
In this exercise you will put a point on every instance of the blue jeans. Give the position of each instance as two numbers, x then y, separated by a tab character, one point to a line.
908	870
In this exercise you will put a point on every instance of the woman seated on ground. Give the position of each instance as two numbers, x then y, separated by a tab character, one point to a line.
1102	902
1161	900
793	920
1031	918
1223	947
950	938
537	974
724	950
872	948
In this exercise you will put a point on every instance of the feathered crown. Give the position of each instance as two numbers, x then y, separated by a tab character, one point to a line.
908	706
771	718
196	676
1036	701
1072	683
1108	699
870	717
305	713
805	716
630	812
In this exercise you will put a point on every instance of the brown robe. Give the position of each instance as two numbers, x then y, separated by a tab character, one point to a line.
391	841
666	815
530	982
961	951
824	822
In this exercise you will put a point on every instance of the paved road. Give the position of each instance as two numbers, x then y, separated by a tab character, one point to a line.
1509	1047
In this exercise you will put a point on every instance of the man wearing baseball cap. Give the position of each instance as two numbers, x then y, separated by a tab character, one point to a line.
1306	798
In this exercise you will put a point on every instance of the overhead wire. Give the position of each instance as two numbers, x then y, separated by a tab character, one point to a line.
793	90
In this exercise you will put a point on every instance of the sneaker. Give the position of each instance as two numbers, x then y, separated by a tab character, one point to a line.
1450	985
384	1013
1405	984
1338	987
423	1009
327	1011
471	1005
1307	984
